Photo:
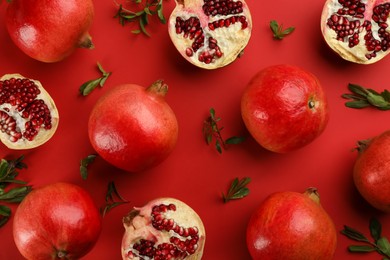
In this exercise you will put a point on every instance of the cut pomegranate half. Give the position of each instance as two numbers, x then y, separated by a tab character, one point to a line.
28	115
357	29
164	228
210	33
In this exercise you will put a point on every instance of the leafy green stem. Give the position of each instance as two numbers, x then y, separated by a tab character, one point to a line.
211	131
361	97
90	85
150	8
237	190
380	244
8	174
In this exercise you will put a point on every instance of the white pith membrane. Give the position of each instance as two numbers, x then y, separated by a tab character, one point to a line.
9	115
185	225
231	38
359	21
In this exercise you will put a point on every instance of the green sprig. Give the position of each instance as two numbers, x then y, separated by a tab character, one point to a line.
211	131
237	189
379	243
113	199
87	87
150	8
361	97
8	174
278	31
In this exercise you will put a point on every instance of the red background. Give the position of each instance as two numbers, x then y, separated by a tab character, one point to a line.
195	172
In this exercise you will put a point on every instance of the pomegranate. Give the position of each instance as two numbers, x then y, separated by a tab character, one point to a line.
165	228
56	221
291	225
49	31
28	115
284	108
133	127
356	29
371	172
210	34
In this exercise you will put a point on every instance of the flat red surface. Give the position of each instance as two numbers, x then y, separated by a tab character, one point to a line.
195	172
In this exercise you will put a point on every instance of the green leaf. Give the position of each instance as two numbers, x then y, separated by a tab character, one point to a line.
361	249
5	211
357	89
235	140
375	228
87	87
354	234
357	104
218	146
384	246
160	13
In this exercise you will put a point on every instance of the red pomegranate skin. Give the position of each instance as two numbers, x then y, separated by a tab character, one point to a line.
291	225
371	172
56	221
49	31
284	108
133	127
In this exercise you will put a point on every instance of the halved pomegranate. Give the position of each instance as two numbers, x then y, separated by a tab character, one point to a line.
165	228
28	115
357	29
210	33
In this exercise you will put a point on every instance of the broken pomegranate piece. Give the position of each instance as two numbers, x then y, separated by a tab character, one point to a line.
357	29
210	33
28	115
164	228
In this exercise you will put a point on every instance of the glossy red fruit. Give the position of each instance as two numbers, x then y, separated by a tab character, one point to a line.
56	221
284	108
210	34
165	228
371	172
357	30
28	115
133	127
291	225
49	31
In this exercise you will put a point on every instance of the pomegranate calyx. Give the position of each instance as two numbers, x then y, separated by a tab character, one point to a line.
313	194
362	145
86	42
158	88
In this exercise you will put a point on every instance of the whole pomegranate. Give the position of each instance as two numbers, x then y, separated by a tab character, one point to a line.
210	34
357	30
133	127
49	31
28	115
371	172
165	228
284	108
56	221
291	225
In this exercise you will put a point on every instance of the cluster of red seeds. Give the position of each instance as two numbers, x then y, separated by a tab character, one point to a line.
22	94
221	7
350	29
183	242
